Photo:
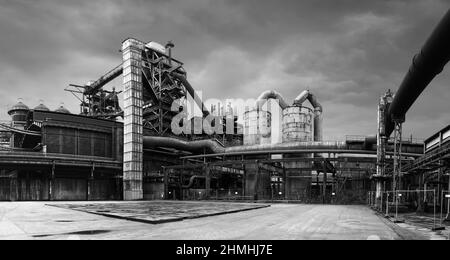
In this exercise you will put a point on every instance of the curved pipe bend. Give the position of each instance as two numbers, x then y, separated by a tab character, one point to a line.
193	146
271	94
307	95
192	180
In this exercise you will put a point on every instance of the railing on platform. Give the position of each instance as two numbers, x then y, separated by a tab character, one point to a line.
362	138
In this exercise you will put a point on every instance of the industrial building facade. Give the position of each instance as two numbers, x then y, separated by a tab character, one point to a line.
61	157
106	153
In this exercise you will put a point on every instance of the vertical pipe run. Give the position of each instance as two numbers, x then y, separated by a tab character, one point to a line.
50	185
89	182
318	120
258	172
387	204
166	183
434	207
381	141
325	179
285	183
448	200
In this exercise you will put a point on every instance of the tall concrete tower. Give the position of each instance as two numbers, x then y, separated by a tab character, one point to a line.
133	122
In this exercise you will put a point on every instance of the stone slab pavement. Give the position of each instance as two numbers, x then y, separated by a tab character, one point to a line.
37	220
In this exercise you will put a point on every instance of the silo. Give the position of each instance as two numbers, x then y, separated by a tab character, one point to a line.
61	109
297	124
41	107
257	127
298	127
18	114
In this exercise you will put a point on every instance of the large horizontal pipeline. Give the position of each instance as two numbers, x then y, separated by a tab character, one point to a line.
192	92
297	151
211	146
215	149
102	81
290	146
199	146
426	65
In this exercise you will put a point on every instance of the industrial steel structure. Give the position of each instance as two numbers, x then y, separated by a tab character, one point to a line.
430	171
125	145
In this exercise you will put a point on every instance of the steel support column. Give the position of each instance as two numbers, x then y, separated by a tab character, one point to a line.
51	182
208	181
447	218
258	173
396	175
397	185
166	183
89	182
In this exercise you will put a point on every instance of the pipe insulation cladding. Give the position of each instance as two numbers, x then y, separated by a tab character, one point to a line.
425	67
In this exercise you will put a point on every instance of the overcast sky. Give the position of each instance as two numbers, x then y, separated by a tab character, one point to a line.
346	52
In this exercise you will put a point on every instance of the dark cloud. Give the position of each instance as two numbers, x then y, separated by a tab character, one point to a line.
348	52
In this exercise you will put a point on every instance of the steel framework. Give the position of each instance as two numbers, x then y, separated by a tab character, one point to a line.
431	161
163	79
162	86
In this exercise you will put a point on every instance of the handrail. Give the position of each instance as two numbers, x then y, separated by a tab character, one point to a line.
435	154
25	132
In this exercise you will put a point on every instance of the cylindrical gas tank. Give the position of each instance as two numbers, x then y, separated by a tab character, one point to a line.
297	124
257	127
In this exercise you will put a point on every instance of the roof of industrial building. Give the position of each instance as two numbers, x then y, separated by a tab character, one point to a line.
41	107
20	106
63	110
434	136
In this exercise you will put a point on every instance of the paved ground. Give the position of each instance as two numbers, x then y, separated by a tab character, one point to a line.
157	212
424	223
36	220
